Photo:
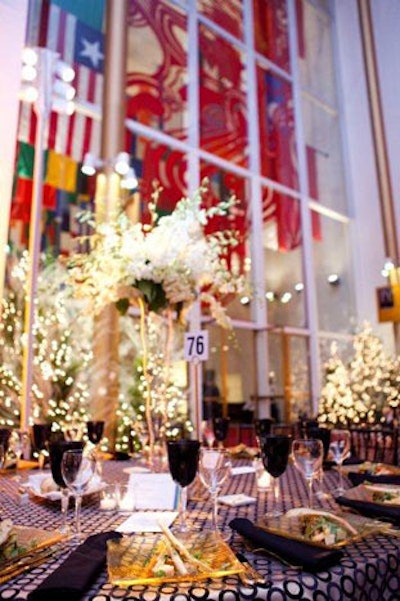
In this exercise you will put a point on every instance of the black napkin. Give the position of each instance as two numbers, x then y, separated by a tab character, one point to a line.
70	581
357	478
372	510
312	559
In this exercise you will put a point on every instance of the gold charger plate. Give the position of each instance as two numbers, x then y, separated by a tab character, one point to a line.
25	542
132	558
290	526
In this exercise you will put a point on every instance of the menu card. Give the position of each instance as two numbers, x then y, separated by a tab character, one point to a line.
154	491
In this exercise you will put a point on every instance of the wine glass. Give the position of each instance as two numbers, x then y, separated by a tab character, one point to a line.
214	469
95	431
18	443
5	434
324	435
40	436
183	459
77	470
339	449
275	455
56	452
207	430
307	456
220	428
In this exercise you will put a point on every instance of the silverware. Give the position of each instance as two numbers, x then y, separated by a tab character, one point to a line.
251	576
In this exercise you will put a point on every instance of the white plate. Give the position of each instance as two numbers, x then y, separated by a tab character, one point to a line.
35	481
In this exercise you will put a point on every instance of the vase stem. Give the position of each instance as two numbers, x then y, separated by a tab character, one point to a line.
148	412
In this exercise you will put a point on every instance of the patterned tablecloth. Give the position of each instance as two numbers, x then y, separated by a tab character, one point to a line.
369	570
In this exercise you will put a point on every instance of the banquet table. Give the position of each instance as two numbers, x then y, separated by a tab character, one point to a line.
369	569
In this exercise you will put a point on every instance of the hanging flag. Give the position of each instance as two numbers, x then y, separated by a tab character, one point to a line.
90	12
82	47
61	172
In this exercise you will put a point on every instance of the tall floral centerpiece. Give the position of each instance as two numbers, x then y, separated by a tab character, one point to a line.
162	266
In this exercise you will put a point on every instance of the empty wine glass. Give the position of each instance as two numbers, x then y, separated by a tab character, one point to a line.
339	449
183	459
18	444
214	469
275	454
220	428
77	470
56	452
307	456
324	435
208	433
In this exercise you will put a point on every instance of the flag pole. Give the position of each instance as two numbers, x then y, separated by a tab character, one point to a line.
42	107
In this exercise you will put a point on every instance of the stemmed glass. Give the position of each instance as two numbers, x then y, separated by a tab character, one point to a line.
5	434
183	459
339	448
77	470
307	456
324	435
207	431
275	454
214	469
41	434
220	428
95	431
56	452
17	445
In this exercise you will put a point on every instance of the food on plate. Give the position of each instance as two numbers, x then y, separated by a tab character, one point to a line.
48	485
389	496
9	547
323	527
377	469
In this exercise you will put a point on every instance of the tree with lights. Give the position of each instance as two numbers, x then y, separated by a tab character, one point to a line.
366	391
61	350
336	403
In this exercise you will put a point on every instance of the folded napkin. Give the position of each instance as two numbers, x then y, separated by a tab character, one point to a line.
372	510
310	558
357	478
70	581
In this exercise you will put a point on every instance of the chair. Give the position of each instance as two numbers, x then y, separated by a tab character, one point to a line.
379	445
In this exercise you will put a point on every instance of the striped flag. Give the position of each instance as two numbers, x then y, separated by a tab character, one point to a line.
82	47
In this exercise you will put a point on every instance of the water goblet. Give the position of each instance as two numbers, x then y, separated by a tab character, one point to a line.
214	469
220	428
18	444
208	433
183	459
275	455
56	452
339	449
77	470
324	435
307	456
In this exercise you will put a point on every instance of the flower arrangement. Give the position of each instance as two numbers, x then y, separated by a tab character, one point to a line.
168	263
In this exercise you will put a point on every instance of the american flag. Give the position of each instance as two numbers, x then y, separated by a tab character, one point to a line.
82	47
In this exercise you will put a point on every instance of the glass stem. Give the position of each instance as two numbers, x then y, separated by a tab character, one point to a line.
183	505
310	498
64	509
214	496
273	481
78	503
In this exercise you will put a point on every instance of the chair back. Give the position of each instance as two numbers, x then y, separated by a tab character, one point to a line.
379	445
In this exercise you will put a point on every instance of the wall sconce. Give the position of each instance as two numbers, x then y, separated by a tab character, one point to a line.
299	287
245	300
129	180
333	279
270	296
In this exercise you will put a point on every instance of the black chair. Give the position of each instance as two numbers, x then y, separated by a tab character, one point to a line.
379	445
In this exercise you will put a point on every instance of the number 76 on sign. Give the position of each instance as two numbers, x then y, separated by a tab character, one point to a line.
196	346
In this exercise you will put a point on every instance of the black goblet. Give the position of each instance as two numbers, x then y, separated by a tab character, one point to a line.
95	431
56	452
221	427
183	460
5	434
275	452
41	434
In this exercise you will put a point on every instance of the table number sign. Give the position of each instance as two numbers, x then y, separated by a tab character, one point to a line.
196	346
